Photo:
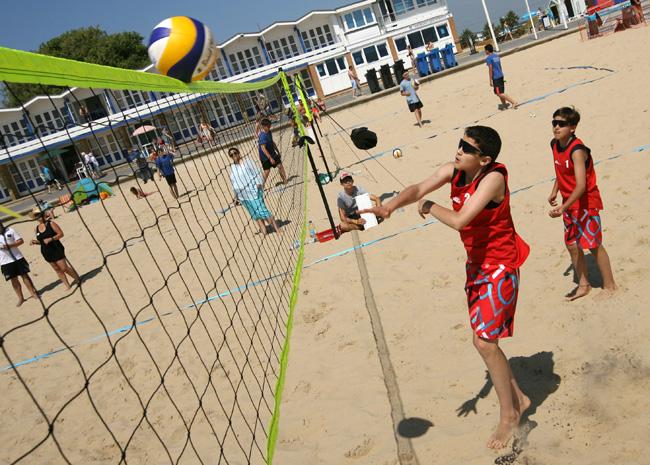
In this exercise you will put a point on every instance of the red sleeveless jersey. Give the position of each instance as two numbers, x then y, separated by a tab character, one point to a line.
566	179
490	237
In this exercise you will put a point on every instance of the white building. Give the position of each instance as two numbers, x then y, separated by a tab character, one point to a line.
320	46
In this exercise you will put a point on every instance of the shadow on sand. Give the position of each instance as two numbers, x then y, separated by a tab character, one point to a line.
538	381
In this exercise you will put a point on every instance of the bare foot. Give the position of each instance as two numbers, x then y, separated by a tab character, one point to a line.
504	431
606	293
580	291
20	302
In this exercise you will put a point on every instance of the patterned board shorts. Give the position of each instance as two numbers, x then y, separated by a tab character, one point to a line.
583	227
492	299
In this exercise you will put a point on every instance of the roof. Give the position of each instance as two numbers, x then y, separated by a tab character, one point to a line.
340	9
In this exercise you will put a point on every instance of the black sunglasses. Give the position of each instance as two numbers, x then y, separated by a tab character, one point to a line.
559	122
468	148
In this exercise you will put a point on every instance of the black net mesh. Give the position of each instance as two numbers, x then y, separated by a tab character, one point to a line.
168	349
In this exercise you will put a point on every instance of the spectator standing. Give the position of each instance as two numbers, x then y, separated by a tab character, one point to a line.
48	236
13	264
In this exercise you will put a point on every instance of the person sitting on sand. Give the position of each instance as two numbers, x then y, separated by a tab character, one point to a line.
139	193
347	203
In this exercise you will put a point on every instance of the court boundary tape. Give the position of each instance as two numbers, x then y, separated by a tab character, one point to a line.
243	287
446	131
579	67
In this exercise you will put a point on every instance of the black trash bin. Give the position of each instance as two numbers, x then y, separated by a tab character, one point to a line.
386	77
398	70
371	79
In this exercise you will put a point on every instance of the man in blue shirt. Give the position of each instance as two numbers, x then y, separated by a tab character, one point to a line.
268	151
407	88
165	164
50	179
493	62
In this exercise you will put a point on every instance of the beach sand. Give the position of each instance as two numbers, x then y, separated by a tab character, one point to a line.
585	365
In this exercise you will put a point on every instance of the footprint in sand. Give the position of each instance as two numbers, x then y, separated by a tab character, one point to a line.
345	344
323	330
303	386
360	450
312	316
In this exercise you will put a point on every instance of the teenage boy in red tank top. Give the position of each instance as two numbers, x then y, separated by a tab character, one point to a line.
481	213
581	202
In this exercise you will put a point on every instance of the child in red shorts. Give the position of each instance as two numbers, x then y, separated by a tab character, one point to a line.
481	213
581	202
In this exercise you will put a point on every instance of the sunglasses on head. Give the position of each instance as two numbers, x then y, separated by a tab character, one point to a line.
559	122
468	148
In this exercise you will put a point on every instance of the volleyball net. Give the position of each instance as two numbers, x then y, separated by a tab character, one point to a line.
172	348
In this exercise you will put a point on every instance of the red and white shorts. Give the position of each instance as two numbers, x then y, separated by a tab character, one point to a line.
492	299
583	227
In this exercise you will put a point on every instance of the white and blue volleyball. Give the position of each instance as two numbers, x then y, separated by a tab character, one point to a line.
182	48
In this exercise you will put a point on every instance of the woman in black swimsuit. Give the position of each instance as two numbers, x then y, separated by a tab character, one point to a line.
48	236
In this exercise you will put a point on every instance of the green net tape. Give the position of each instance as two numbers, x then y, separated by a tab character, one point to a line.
31	68
279	387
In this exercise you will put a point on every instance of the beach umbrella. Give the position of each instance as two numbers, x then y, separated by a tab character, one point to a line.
143	129
526	16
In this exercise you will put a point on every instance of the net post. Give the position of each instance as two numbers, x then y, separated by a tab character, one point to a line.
301	129
301	91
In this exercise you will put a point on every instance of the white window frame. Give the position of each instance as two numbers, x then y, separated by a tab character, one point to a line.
446	28
363	55
359	18
323	70
402	7
279	50
314	40
243	61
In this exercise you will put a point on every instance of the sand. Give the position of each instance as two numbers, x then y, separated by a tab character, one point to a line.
584	364
193	367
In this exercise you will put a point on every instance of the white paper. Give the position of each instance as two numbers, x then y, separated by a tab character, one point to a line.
363	202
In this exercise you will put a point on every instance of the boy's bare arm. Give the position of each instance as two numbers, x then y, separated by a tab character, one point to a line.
553	195
579	158
492	187
414	192
490	74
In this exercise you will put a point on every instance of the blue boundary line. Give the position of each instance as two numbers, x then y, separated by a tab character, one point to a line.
320	260
326	258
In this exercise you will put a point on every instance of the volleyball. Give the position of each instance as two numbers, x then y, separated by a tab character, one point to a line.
182	48
397	153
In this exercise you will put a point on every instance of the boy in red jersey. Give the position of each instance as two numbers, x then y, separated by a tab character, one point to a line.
581	202
481	213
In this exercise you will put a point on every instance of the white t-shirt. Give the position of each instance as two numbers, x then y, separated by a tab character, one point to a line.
245	177
9	255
